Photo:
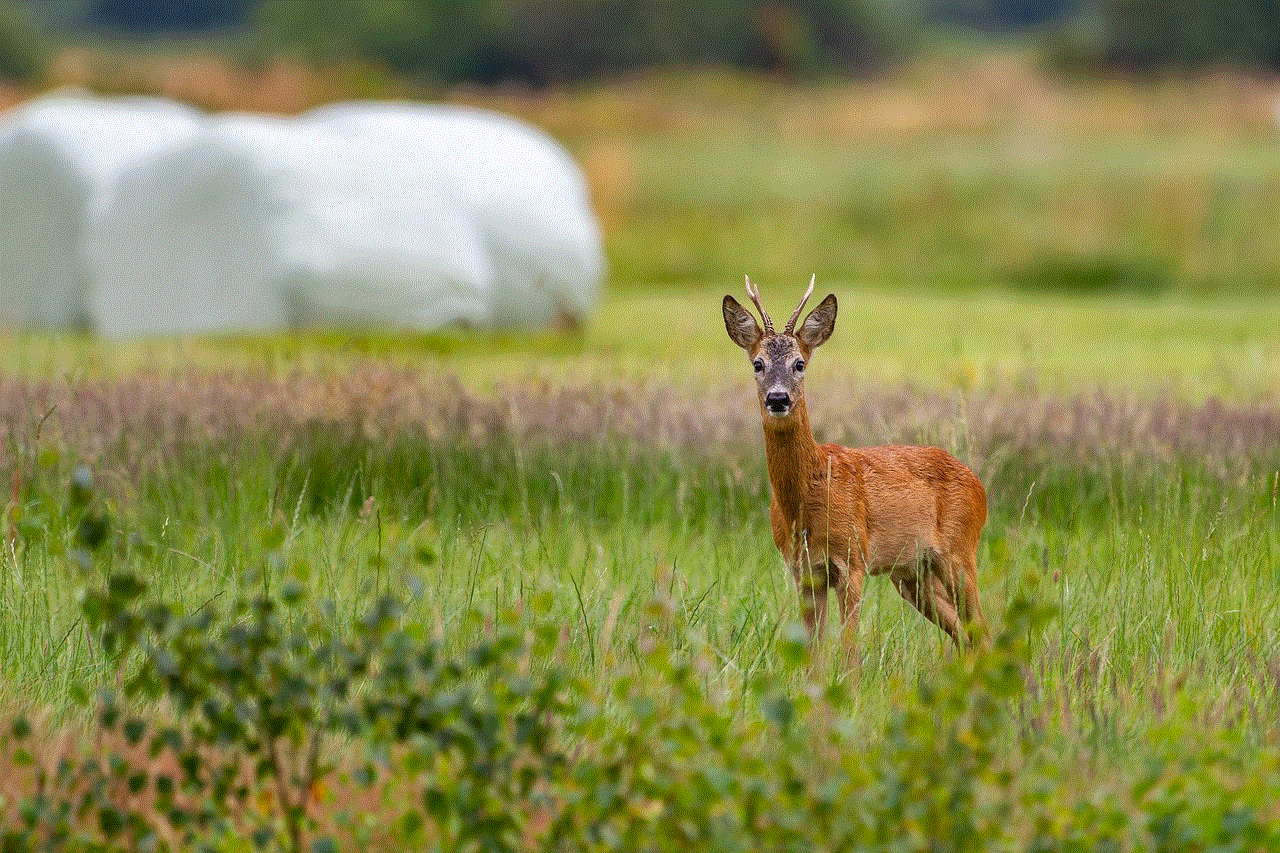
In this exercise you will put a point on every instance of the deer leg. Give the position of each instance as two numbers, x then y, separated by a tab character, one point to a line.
944	608
959	576
926	592
811	584
908	586
849	589
971	609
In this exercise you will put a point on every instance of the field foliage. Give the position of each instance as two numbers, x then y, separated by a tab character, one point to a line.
372	606
471	591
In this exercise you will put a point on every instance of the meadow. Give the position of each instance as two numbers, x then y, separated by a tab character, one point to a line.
502	591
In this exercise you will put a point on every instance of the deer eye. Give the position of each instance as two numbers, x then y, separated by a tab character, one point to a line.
798	367
758	365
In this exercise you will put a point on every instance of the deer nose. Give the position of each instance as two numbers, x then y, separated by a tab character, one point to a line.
777	402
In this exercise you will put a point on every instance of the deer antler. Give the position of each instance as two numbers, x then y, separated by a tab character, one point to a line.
791	324
754	293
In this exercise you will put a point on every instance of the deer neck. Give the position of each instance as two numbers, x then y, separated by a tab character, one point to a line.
792	456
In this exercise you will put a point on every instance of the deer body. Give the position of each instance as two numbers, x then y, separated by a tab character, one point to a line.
839	514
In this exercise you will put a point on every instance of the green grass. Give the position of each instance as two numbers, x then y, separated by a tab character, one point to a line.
1030	210
1157	565
605	528
1189	347
1165	574
647	555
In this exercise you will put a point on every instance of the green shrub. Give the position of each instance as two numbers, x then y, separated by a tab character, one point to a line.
269	698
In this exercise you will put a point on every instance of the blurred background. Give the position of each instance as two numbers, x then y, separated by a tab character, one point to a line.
1076	145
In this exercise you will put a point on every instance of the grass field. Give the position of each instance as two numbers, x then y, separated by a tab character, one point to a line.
1186	347
594	508
612	487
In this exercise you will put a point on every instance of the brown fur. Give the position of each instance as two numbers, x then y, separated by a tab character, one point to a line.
841	513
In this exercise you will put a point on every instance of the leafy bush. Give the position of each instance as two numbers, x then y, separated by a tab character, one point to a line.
254	696
277	718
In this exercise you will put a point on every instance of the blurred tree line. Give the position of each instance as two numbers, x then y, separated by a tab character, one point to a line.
1143	34
553	41
556	41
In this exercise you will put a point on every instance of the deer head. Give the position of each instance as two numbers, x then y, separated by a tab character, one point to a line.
779	359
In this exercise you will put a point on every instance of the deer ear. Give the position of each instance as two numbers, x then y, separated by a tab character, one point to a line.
740	324
820	323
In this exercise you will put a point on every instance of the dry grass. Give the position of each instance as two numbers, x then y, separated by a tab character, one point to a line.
212	81
143	417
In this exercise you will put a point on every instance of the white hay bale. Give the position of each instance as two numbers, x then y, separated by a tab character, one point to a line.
259	223
59	156
527	195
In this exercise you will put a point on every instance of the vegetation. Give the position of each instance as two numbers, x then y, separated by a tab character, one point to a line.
951	176
1027	213
320	609
1146	36
537	42
1024	345
510	592
953	172
22	49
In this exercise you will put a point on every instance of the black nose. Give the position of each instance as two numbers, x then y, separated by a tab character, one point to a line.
777	400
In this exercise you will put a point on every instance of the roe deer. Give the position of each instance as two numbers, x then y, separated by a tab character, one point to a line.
841	513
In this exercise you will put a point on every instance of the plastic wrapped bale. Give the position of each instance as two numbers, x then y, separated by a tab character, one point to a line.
526	193
59	156
260	223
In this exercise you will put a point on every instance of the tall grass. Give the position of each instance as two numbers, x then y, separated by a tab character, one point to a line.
1164	567
627	529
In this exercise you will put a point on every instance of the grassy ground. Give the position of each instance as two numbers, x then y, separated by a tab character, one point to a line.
1189	347
1144	213
605	470
632	519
